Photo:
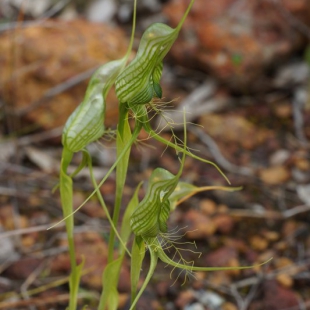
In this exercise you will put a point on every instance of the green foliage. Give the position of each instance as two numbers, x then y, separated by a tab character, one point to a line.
109	283
136	85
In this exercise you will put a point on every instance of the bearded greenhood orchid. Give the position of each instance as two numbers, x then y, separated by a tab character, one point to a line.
144	223
86	123
150	217
139	82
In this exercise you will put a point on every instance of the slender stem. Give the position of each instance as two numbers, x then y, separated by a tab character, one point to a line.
153	264
66	198
122	154
124	157
121	172
101	200
157	137
125	149
66	193
123	114
133	29
155	246
138	253
185	15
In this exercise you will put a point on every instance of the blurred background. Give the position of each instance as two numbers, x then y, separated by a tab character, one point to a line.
241	70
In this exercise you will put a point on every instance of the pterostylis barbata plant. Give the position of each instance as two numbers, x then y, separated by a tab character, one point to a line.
136	86
149	224
84	126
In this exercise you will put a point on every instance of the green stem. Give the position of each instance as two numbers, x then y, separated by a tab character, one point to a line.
101	200
124	142
123	114
157	137
123	163
121	173
133	29
153	264
66	195
178	28
125	149
138	252
154	245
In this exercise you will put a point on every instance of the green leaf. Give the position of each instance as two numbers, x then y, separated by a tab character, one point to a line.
74	283
137	256
109	282
121	173
133	203
66	190
153	264
121	141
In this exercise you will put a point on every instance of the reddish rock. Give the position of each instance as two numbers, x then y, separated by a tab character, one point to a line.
274	175
148	301
258	243
124	283
235	129
46	56
222	257
236	41
198	225
224	223
61	263
22	268
184	298
207	206
285	280
277	297
93	249
162	288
